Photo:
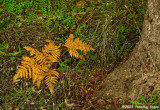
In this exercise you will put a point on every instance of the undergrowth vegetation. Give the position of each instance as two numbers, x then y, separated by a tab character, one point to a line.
111	27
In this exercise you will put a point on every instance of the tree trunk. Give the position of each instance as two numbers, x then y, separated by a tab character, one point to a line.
140	73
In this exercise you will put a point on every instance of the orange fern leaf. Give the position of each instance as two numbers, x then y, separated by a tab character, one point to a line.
49	82
24	70
69	41
39	57
38	67
52	52
28	69
77	44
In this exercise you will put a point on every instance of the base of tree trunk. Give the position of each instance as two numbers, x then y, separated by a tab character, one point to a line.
140	74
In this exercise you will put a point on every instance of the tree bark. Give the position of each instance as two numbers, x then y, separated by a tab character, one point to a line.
140	73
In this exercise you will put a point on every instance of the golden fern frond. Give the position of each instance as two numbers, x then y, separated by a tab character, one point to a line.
72	46
53	72
86	48
69	41
29	69
52	52
25	70
38	56
51	80
38	78
77	44
38	66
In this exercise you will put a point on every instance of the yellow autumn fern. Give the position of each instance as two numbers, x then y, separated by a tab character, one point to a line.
77	44
37	67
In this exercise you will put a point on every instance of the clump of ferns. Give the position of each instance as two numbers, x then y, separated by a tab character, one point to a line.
38	65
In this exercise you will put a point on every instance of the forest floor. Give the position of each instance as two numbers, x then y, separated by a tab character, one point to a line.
30	23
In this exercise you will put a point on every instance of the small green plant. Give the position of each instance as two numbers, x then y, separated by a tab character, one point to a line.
62	67
13	55
3	47
150	101
20	94
89	57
